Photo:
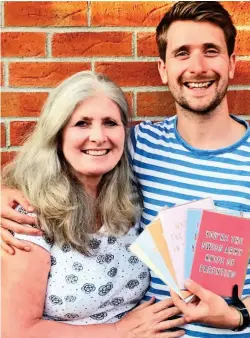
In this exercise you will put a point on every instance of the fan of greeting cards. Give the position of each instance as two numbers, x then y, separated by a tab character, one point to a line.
196	241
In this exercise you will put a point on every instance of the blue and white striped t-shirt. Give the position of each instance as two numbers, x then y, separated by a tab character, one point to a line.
171	172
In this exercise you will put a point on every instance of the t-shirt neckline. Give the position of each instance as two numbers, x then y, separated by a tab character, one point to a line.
203	152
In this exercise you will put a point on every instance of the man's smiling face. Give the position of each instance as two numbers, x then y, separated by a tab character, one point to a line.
197	67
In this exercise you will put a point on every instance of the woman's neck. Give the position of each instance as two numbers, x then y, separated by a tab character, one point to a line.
90	185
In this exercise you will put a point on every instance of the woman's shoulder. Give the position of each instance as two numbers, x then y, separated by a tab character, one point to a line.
42	241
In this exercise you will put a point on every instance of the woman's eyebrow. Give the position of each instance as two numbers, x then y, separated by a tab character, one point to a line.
86	118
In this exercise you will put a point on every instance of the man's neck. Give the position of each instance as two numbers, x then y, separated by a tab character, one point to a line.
209	132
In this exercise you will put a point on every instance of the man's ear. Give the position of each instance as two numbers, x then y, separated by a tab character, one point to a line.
232	63
162	71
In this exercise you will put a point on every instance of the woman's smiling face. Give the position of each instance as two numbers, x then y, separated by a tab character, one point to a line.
93	139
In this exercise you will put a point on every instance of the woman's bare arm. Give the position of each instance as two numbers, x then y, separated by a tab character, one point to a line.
24	282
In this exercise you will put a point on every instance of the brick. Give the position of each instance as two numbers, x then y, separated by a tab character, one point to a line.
149	13
45	13
22	104
92	44
131	73
239	10
130	14
23	44
146	44
155	104
242	74
239	102
243	43
19	131
3	135
43	74
7	157
129	97
2	75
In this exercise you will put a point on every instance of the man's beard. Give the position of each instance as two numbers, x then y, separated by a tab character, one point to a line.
206	109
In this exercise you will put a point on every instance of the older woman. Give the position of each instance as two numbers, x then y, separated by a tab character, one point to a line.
75	172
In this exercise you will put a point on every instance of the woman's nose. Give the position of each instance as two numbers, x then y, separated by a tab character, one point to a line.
97	134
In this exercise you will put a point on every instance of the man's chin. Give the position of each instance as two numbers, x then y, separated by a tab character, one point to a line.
202	105
200	108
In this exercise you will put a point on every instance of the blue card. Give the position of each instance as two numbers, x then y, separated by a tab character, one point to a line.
192	229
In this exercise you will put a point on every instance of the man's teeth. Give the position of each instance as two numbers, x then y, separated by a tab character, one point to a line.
96	152
198	84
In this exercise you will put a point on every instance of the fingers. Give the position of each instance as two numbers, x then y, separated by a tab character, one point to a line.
163	304
7	248
11	214
178	302
197	290
12	197
10	240
167	313
170	324
18	197
19	228
145	304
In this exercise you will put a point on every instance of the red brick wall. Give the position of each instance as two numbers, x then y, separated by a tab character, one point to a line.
45	42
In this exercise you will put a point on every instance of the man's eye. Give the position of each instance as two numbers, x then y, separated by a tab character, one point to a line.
110	123
81	124
182	53
211	52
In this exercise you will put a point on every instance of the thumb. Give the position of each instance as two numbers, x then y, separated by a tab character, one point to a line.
197	290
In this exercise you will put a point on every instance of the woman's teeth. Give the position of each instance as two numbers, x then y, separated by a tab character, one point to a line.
96	152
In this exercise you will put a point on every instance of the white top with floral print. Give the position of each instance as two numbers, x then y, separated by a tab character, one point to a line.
96	289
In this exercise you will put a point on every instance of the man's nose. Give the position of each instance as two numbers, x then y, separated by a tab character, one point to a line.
198	64
97	134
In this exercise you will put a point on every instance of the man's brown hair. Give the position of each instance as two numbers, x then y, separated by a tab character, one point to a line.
198	11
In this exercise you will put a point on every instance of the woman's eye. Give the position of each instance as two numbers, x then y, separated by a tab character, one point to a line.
110	123
81	124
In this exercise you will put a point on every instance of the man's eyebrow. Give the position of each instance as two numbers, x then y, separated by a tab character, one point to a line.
211	45
181	48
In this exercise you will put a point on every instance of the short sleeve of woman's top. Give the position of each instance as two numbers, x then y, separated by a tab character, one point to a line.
39	240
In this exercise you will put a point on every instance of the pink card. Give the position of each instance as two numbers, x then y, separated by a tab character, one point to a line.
221	252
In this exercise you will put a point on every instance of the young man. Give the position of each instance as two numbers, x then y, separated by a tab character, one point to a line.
202	151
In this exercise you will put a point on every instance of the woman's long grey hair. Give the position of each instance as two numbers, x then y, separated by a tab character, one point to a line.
65	211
